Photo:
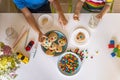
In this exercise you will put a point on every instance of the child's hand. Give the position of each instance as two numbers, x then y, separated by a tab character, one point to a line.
41	37
76	17
99	16
63	21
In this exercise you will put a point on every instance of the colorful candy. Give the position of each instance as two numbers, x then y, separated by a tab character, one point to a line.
91	57
68	64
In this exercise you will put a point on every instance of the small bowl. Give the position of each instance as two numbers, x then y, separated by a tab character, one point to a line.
45	20
69	63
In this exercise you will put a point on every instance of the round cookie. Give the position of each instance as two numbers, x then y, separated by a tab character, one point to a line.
58	48
53	46
52	36
80	37
62	41
50	52
46	43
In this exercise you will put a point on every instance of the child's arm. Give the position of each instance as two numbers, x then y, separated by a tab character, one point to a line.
31	20
102	13
57	6
105	9
78	9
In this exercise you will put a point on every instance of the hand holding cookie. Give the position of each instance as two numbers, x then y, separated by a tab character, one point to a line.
41	37
76	17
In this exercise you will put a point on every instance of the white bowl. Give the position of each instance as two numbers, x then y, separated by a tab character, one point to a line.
74	34
76	70
45	20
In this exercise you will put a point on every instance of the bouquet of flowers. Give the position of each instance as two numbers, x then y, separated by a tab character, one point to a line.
8	62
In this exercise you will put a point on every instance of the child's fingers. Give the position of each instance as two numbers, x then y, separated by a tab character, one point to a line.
42	38
99	16
75	17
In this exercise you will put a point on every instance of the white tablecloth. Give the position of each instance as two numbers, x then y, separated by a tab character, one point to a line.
44	67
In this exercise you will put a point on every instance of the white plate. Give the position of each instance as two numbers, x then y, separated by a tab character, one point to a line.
48	24
74	34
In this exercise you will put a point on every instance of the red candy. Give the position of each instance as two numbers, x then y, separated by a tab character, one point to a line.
91	57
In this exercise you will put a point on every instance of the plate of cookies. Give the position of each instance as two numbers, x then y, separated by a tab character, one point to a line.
80	37
69	63
55	43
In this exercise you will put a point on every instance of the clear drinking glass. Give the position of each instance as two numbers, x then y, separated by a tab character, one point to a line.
94	21
11	35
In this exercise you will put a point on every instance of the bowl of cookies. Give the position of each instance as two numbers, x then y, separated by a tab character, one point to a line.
69	63
55	43
80	37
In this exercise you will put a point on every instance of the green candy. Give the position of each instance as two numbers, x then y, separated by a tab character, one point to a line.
86	56
68	50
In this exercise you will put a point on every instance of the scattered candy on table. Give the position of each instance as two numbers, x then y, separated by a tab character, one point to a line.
97	52
83	54
91	57
86	56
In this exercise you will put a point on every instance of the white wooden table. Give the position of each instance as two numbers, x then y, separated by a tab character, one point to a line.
44	67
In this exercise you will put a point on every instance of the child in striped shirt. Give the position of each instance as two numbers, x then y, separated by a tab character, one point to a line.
96	6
